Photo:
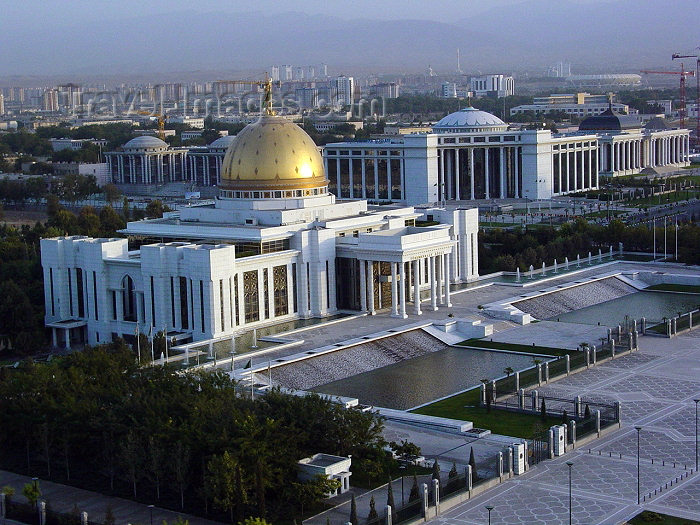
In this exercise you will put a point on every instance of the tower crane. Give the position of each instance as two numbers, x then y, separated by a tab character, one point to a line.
683	74
697	92
161	122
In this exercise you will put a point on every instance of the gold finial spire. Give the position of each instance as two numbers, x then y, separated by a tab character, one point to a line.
267	86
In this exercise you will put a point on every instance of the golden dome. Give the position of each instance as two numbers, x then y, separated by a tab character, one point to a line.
272	154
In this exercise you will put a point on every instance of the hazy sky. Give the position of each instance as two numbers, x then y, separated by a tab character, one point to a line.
150	37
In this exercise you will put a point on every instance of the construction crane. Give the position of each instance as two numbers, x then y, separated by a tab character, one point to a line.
266	86
676	56
683	73
161	122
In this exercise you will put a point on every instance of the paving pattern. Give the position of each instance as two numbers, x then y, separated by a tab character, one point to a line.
656	387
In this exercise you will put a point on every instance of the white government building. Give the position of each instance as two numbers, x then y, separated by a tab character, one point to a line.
472	154
275	246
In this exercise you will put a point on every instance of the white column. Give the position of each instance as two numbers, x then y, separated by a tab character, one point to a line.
447	281
304	302
441	279
402	285
471	172
516	173
503	172
416	288
394	292
241	297
433	284
67	338
486	171
370	282
363	286
457	175
448	179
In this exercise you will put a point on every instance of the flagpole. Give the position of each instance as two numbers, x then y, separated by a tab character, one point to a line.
676	238
654	228
664	238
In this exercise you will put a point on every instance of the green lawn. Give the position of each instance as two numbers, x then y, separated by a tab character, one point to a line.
659	519
463	407
530	349
676	196
675	288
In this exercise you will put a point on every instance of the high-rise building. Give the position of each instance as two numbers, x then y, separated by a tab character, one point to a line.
449	90
286	72
498	85
345	90
385	90
322	70
275	73
310	72
306	97
50	100
2	104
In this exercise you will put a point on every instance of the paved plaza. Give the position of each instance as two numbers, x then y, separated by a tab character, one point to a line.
656	387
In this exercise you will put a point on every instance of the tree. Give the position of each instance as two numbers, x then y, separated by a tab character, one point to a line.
156	457
126	212
131	456
353	511
109	516
221	471
390	497
415	493
543	410
314	490
32	492
405	450
472	464
508	371
436	470
155	209
453	471
372	516
112	193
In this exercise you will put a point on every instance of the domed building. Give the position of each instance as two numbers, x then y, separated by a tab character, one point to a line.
469	120
274	246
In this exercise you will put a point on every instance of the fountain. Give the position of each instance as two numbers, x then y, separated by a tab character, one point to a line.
566	262
532	270
544	269
555	266
517	275
255	338
578	260
590	259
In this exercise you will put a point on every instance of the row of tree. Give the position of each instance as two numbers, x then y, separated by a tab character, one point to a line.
187	441
506	250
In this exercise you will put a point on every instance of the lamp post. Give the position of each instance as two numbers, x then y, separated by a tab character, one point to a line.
402	468
489	508
36	491
150	508
696	433
569	464
638	429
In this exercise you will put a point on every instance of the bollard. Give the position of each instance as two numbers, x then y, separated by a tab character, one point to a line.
83	518
42	513
612	349
634	325
619	332
551	444
493	391
572	426
568	363
636	340
521	399
546	372
483	394
609	334
588	357
526	460
668	327
539	374
388	515
594	357
436	493
690	319
630	341
534	400
469	478
517	381
674	326
425	501
618	411
566	436
510	462
597	422
577	406
644	325
500	466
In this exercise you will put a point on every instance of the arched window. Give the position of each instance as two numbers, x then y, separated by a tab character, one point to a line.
129	299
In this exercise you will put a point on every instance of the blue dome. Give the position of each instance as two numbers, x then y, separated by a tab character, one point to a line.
222	142
144	142
470	119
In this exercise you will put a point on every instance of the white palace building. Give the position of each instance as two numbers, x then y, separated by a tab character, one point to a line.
471	154
275	246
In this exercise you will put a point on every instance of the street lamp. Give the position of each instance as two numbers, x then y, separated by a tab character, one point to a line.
569	464
489	508
696	433
150	507
402	468
638	429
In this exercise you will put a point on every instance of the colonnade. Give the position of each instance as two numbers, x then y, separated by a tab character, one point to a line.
508	183
635	154
138	168
407	279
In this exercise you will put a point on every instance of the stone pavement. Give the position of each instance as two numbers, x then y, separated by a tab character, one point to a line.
62	498
656	387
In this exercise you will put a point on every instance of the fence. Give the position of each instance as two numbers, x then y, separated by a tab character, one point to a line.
41	514
669	327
